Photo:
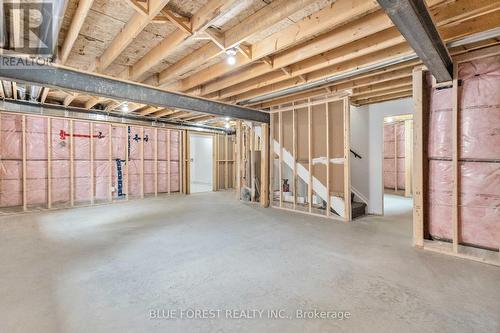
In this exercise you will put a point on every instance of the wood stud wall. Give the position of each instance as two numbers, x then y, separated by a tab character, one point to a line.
421	239
50	205
335	133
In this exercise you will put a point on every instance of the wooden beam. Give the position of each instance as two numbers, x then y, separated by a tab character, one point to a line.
43	95
216	37
386	74
340	12
148	110
92	171
74	28
264	18
110	164
259	75
140	6
180	22
420	162
24	165
408	157
264	166
13	84
309	162
326	55
162	113
455	167
93	102
49	162
347	159
71	163
200	21
68	99
129	32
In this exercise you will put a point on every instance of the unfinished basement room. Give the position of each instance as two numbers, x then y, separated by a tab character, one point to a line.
249	166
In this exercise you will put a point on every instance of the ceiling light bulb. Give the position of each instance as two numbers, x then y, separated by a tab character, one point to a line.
231	60
227	118
227	125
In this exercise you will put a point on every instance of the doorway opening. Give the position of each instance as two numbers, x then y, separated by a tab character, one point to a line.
200	163
397	166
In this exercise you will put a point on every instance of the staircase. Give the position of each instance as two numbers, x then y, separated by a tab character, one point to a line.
358	208
336	203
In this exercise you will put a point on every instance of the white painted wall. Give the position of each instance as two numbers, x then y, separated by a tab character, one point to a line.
367	125
201	148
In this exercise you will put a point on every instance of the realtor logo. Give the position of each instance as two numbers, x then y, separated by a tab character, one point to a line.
26	27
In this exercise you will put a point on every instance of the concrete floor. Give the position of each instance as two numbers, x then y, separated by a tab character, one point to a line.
103	269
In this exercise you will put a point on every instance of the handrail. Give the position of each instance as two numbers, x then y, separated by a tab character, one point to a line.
356	154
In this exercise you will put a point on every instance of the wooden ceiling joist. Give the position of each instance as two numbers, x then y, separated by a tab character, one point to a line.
147	110
141	6
162	113
183	23
340	13
264	18
201	19
388	74
258	75
129	32
384	98
450	32
68	99
74	29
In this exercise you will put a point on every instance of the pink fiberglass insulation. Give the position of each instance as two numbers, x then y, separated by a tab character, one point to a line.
60	156
11	172
479	154
36	161
174	161
162	160
104	138
81	131
480	109
134	160
101	141
394	137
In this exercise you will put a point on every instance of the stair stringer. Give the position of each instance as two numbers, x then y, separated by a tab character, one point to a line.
336	203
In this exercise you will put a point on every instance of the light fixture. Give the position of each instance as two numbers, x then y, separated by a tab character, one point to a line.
124	107
231	56
228	125
227	118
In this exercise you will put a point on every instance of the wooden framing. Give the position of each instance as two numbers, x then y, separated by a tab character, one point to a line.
347	160
407	122
25	186
421	90
224	161
49	163
455	167
71	159
408	157
72	162
396	159
309	159
300	152
264	167
92	176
